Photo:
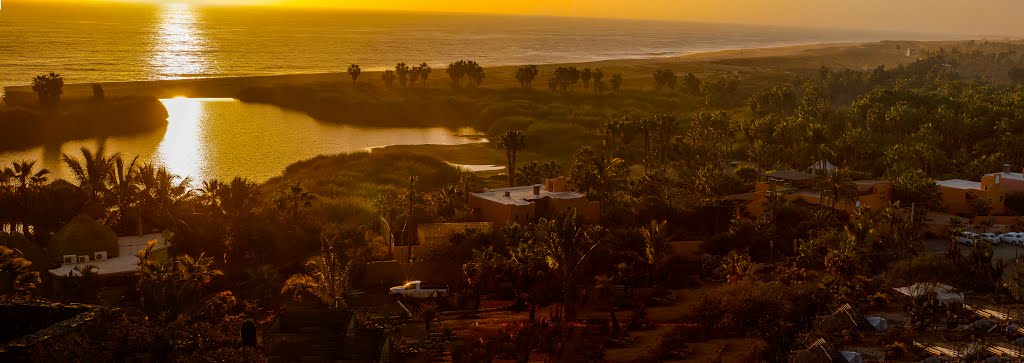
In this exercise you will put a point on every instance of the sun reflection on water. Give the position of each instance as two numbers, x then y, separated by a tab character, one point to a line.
180	45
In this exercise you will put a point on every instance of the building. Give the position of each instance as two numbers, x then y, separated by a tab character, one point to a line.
528	203
983	197
125	263
797	186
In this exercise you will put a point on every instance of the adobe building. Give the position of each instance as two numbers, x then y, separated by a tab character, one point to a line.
528	203
963	197
872	194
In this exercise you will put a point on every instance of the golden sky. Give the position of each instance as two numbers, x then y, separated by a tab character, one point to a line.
975	17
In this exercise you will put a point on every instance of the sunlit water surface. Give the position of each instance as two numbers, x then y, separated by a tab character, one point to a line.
90	41
223	138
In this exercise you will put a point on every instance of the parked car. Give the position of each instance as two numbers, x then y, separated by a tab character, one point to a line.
991	238
1012	238
418	290
967	238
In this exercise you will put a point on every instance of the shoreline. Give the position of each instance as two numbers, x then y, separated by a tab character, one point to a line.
498	76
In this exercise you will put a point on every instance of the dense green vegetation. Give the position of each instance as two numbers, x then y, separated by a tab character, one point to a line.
656	161
46	119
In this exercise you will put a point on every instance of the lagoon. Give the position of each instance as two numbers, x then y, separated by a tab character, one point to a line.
221	138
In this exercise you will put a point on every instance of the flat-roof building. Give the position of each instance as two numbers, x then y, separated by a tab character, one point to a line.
527	203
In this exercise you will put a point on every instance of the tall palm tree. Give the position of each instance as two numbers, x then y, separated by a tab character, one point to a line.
92	172
26	181
7	199
566	243
163	197
656	238
354	71
124	192
22	173
326	278
837	188
513	141
402	70
234	202
424	70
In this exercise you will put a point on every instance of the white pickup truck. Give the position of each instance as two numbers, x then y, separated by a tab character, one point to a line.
418	290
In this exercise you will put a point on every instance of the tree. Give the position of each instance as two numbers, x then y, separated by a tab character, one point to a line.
512	141
234	204
402	70
567	77
424	71
173	286
49	88
616	82
124	193
456	72
525	76
20	277
1016	75
655	236
665	78
389	78
692	84
97	92
92	172
353	71
586	75
837	188
326	278
566	244
164	198
475	73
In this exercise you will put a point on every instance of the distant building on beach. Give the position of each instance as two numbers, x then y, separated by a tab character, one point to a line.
528	203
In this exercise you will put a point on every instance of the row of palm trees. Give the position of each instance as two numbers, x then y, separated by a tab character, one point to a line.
126	194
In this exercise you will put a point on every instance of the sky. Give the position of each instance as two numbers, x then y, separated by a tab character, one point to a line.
971	17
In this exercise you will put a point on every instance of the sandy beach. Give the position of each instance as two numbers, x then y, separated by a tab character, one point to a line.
759	63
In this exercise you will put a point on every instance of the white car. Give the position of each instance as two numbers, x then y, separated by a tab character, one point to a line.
418	290
991	238
1012	238
967	238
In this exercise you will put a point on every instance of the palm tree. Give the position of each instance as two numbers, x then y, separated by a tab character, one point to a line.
196	273
585	76
49	88
124	191
403	72
525	75
512	141
326	278
616	82
163	197
354	71
837	188
27	180
656	238
294	200
20	277
566	243
389	78
235	202
92	172
424	71
22	172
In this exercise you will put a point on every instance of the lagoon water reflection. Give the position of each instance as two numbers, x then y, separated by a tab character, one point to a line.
222	138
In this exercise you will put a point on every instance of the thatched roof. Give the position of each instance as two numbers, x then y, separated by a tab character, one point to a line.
83	236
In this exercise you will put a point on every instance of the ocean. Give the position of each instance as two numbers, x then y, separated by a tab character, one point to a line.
126	42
